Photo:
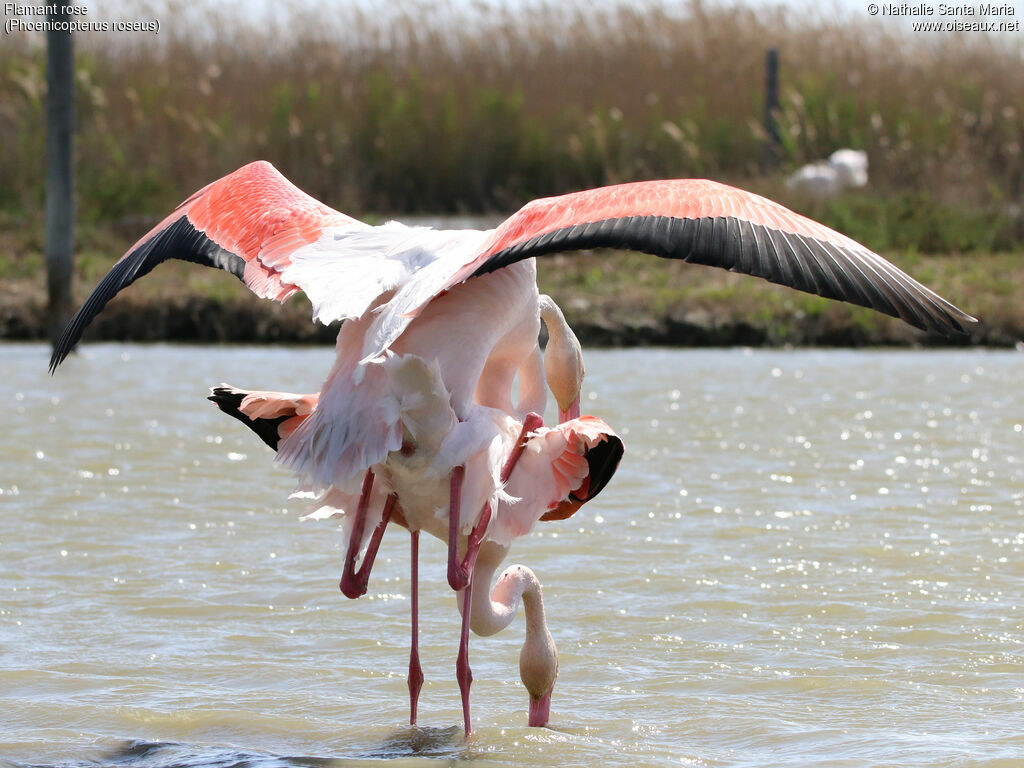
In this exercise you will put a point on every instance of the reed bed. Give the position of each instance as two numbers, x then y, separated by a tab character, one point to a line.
475	107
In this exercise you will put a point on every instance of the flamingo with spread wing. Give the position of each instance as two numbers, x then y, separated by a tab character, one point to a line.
439	325
545	474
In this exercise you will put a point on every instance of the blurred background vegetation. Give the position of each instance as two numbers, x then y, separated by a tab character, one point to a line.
470	108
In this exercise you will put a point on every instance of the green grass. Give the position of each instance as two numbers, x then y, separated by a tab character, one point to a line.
608	289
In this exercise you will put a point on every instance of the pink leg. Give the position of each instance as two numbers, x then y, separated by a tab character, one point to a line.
464	570
415	670
348	586
363	576
531	423
459	572
475	539
462	671
353	583
457	577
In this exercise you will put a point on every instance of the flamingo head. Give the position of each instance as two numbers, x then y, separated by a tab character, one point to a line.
563	360
538	668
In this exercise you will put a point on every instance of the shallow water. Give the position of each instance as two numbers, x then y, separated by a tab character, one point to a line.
807	558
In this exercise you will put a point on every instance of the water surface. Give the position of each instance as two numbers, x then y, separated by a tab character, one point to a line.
807	558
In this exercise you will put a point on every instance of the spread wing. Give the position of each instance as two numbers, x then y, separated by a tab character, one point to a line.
561	469
702	222
705	222
250	223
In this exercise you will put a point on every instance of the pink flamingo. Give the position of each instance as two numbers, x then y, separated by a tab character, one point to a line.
543	473
466	303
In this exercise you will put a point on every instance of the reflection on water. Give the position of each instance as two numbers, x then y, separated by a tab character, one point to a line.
156	754
809	558
407	743
421	742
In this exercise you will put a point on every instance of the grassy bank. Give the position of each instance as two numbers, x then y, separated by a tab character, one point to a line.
610	298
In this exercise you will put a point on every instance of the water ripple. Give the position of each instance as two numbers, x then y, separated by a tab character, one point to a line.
808	558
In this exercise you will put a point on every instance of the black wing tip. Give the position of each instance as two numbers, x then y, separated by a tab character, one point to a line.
229	399
963	323
942	319
178	240
225	396
66	342
804	263
960	327
57	357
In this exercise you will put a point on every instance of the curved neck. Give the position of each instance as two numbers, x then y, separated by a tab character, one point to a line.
494	609
491	612
533	394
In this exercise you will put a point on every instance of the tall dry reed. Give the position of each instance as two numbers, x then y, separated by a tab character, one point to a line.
473	107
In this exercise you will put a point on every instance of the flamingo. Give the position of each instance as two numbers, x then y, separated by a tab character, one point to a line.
844	169
434	444
546	474
465	305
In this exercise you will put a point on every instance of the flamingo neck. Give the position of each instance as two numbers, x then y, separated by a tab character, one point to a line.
563	360
570	413
533	394
491	612
494	609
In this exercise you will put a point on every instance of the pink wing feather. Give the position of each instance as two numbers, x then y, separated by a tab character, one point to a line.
673	198
249	223
271	415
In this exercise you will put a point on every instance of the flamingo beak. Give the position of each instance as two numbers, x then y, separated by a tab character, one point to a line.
570	413
540	709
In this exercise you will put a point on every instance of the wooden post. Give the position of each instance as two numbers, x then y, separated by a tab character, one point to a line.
60	213
772	145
